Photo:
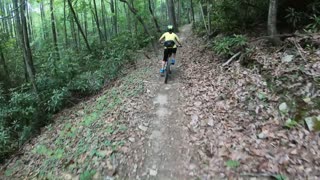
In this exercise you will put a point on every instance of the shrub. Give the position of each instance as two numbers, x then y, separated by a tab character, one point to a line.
314	26
58	99
229	45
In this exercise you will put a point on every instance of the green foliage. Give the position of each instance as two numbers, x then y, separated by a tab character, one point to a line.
87	175
56	81
57	99
87	82
293	17
228	45
4	142
290	123
232	164
234	16
314	26
280	177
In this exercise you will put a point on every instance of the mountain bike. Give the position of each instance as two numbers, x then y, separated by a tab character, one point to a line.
167	68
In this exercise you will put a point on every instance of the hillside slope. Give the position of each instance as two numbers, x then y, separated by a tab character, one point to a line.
208	122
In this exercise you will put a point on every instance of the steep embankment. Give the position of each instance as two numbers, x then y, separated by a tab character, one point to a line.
236	127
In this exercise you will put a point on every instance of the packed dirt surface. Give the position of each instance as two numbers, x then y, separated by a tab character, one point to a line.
208	122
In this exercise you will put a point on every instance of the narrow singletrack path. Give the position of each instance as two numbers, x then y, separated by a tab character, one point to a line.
166	154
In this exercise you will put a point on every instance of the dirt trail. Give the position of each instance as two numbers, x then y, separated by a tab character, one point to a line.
166	154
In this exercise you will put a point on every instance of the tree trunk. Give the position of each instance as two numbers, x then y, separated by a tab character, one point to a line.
26	48
54	31
5	68
172	15
179	12
85	17
209	18
272	21
192	11
95	13
65	24
79	26
103	19
114	17
43	21
29	23
73	32
203	17
153	17
19	38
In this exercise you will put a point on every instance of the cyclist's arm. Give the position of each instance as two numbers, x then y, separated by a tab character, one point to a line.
178	40
162	37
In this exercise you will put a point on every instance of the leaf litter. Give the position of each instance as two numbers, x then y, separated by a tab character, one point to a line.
239	115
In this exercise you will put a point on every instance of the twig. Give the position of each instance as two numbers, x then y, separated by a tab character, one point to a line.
233	57
299	50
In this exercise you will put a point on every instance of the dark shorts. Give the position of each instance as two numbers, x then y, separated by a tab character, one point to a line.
168	52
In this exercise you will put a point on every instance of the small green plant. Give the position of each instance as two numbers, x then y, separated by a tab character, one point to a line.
293	17
290	123
57	99
87	175
228	45
315	25
280	177
232	164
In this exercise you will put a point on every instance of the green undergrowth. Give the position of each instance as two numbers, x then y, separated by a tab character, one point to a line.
78	145
60	83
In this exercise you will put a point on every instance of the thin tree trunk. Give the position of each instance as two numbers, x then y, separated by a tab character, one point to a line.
192	11
65	24
20	39
26	48
73	32
85	18
172	15
209	18
272	21
153	17
29	23
79	26
95	13
204	20
114	16
103	19
54	31
179	13
43	20
5	68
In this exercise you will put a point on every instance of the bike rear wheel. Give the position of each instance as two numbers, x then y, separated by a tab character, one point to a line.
167	72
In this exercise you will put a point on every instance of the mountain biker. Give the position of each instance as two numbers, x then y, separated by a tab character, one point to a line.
170	41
